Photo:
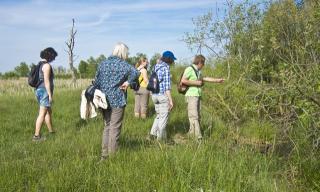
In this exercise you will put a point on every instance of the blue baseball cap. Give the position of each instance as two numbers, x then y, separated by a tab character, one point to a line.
168	54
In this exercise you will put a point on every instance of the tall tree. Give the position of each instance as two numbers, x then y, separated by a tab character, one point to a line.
154	59
70	46
83	69
134	59
22	70
92	67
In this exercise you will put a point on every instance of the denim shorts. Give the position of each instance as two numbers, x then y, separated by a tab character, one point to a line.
42	97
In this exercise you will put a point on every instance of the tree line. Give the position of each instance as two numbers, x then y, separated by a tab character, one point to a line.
86	68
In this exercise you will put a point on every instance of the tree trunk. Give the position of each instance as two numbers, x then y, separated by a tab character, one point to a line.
70	45
73	71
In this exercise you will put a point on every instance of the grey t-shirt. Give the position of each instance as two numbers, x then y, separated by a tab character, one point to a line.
41	77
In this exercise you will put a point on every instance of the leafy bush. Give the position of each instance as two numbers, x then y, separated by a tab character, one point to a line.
270	57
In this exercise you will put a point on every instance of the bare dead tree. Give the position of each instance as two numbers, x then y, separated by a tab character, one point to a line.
70	46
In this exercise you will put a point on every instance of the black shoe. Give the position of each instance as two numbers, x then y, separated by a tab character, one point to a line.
38	138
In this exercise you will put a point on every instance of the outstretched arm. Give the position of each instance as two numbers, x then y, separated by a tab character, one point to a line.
213	80
185	81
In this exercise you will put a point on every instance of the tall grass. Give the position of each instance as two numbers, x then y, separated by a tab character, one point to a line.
20	86
68	161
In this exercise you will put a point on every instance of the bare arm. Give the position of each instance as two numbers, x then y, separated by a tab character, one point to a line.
46	75
213	80
185	81
168	93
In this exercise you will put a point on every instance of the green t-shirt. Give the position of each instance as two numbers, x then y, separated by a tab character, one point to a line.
190	74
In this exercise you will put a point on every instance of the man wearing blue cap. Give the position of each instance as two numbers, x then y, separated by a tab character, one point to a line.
162	101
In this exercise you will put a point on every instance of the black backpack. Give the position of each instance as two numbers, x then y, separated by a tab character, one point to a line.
182	88
135	85
153	84
89	93
33	77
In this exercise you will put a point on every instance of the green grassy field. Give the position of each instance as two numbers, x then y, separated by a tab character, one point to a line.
68	161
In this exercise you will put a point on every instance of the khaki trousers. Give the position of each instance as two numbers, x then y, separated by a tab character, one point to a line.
141	101
112	127
194	116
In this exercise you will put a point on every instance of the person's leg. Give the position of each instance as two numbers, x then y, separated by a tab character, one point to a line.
189	109
40	119
43	100
154	129
48	120
115	129
193	114
163	117
197	128
137	106
144	104
105	135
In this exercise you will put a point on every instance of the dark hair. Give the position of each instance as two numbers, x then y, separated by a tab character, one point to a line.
48	54
167	60
199	59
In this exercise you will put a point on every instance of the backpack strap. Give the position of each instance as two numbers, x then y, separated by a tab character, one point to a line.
195	71
139	77
157	70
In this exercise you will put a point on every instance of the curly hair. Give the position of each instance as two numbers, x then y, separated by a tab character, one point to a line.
48	54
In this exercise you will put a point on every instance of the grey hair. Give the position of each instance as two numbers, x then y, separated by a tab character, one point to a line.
121	50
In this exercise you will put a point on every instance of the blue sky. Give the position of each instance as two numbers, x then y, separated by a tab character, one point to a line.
27	27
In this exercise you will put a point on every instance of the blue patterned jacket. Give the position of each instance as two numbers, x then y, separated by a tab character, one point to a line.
110	75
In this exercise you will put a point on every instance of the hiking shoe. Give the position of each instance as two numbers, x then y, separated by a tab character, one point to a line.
103	159
37	138
200	139
52	133
151	137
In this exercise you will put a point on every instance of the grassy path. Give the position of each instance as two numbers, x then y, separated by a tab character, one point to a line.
68	160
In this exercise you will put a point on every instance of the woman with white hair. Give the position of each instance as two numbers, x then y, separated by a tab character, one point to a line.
113	77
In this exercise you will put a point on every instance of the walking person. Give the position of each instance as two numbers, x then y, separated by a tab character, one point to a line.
193	79
142	95
163	102
113	77
44	92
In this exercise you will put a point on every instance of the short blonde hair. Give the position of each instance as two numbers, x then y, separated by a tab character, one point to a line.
199	59
121	50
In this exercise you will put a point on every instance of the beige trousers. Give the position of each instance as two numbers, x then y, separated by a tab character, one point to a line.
194	116
161	105
141	101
